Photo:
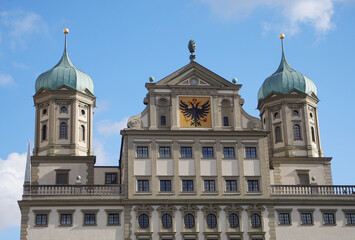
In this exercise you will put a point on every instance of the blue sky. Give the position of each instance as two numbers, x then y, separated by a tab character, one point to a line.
120	44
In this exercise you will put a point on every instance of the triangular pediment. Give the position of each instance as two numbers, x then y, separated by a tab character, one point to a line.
194	74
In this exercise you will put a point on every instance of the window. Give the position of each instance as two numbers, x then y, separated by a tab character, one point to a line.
250	152
253	185
111	178
231	185
82	112
297	132
313	135
44	111
303	178
82	133
207	152
142	152
294	113
62	177
41	219
165	185
233	220
306	218
113	219
187	185
189	220
211	220
311	115
166	220
284	218
143	185
350	218
276	115
66	219
278	137
255	220
209	186
186	152
63	109
164	152
329	218
162	121
89	219
228	152
63	130
225	121
44	132
143	220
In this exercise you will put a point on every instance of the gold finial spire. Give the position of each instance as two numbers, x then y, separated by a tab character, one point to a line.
282	36
65	30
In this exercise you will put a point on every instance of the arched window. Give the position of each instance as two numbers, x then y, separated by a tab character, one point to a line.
225	121
278	137
63	130
166	220
63	109
313	135
297	132
255	220
189	220
82	132
162	120
233	220
143	220
44	132
211	220
276	115
295	113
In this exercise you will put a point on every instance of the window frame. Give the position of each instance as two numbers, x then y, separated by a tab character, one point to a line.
207	153
248	155
111	173
89	211
66	212
162	220
207	182
259	219
306	211
193	222
302	172
41	212
162	155
143	181
278	134
284	211
113	211
351	212
63	129
297	136
44	132
62	171
189	180
165	180
185	155
141	154
253	179
236	185
228	156
226	121
162	120
211	218
139	220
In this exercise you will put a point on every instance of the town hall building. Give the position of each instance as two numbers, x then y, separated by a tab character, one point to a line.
193	164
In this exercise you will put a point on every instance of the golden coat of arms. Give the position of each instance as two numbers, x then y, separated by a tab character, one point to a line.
195	112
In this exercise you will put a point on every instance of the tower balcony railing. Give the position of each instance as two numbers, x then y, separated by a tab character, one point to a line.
313	190
71	190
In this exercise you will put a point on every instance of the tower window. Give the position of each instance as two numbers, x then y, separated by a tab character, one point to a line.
295	113
63	109
278	137
276	115
44	111
225	121
44	132
63	130
297	132
313	135
255	220
83	112
82	132
163	120
311	115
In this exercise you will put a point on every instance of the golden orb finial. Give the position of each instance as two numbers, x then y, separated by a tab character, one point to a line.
282	36
65	30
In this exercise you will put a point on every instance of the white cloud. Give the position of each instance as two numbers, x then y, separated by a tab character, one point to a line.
19	65
12	171
317	13
100	153
6	80
19	25
102	106
108	127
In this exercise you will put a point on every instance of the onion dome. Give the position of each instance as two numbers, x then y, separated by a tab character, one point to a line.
65	73
286	79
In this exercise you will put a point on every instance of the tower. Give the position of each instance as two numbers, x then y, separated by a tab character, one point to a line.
64	102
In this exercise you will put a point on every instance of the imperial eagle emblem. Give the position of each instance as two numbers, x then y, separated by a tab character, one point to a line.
195	112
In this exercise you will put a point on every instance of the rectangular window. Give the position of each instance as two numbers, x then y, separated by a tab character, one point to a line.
143	185
113	219
66	219
253	185
329	218
111	178
165	185
186	152
41	219
350	218
284	218
303	178
142	152
209	186
207	152
187	185
90	219
228	152
164	152
231	185
62	178
250	152
306	218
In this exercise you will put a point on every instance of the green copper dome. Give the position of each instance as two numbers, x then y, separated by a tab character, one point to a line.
286	79
65	73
